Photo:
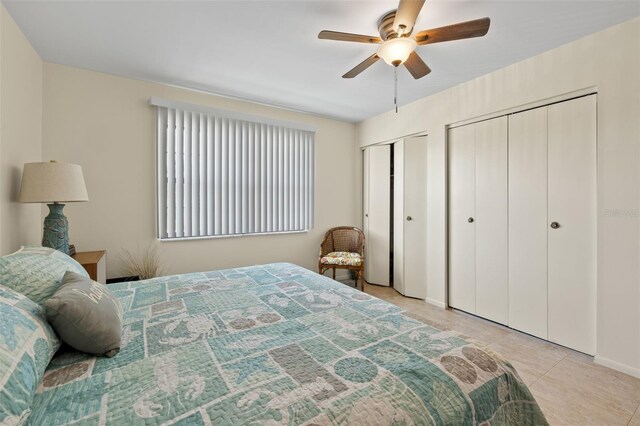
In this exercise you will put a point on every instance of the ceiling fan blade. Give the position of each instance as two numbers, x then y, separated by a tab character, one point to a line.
358	38
416	66
406	16
362	66
469	29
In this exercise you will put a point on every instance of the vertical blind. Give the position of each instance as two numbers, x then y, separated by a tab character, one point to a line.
223	175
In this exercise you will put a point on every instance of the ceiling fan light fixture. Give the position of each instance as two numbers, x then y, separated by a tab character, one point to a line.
396	51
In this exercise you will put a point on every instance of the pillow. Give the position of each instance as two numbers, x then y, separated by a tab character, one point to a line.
36	272
86	315
27	344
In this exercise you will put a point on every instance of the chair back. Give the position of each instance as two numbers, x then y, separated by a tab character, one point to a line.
343	238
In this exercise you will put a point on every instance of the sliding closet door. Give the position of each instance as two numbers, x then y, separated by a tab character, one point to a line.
414	218
462	193
377	250
572	223
398	217
492	280
366	160
528	222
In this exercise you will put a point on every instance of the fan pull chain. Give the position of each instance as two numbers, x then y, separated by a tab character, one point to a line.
395	87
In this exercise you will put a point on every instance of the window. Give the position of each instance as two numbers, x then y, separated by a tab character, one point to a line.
224	174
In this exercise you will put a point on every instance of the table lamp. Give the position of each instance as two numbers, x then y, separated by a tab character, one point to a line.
55	184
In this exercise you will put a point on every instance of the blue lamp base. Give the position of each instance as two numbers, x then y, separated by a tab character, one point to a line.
56	229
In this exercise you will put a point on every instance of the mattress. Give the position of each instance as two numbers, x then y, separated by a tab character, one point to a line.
277	344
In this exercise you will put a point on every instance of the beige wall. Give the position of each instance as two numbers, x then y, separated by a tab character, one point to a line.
609	61
105	124
20	133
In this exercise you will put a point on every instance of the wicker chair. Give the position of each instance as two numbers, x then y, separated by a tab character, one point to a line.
343	248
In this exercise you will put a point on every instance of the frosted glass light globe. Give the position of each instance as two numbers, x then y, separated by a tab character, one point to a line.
396	51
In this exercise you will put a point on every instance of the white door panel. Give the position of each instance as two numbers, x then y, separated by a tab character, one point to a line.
461	145
377	243
365	206
572	204
414	217
528	222
492	280
398	215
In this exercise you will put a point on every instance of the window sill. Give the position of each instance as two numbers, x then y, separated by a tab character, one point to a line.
208	237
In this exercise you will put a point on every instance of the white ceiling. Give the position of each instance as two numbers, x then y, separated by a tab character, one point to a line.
268	51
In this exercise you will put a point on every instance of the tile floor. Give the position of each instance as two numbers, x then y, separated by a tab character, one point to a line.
569	387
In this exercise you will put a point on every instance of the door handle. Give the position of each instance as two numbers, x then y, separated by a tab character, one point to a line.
555	225
366	215
470	220
409	218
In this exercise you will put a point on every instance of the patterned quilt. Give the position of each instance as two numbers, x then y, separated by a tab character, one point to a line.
277	344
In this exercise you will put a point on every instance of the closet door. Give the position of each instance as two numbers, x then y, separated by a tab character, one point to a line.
410	232
398	217
492	280
378	185
366	160
572	206
528	222
462	230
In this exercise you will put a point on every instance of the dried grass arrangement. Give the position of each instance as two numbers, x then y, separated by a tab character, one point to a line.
144	263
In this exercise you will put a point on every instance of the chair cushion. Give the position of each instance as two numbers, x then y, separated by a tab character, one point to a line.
343	258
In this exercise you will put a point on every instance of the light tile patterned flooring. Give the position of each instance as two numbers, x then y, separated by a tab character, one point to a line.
569	387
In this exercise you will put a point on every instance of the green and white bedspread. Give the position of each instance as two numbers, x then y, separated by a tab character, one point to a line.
277	344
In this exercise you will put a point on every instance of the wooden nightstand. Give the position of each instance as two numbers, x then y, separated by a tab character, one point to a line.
95	262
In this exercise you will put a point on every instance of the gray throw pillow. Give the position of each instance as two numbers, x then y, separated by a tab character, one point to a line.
86	315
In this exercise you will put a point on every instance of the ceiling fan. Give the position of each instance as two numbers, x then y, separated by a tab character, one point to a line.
397	45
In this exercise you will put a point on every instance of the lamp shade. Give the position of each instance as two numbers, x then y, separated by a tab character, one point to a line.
396	50
52	182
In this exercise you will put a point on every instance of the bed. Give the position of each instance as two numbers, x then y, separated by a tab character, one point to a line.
277	344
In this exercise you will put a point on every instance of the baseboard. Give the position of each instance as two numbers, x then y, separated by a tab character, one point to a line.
341	274
627	369
435	302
